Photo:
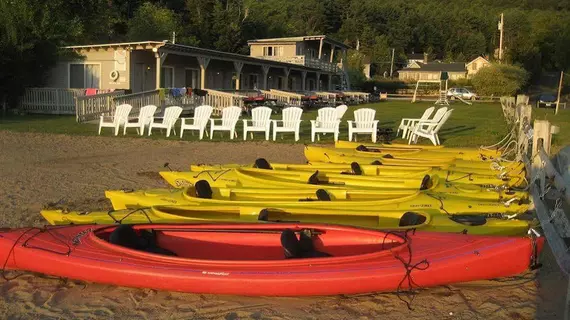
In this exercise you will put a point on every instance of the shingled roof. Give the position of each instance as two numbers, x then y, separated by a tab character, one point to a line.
437	67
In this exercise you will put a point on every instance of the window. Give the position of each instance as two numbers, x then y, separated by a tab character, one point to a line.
167	77
273	51
192	78
84	76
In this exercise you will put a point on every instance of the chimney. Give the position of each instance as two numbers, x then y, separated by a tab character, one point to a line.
425	57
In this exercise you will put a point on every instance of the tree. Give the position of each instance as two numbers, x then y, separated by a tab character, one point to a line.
152	22
500	80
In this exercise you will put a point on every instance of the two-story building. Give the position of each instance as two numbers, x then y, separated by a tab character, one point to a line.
295	64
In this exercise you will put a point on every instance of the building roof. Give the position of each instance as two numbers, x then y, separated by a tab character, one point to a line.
478	58
163	46
298	39
437	67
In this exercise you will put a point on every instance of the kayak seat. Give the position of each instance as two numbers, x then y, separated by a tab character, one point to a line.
388	156
469	219
427	183
303	247
126	236
411	219
323	195
314	178
262	163
356	169
203	189
376	163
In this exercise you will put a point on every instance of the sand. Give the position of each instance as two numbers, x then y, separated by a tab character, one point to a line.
37	169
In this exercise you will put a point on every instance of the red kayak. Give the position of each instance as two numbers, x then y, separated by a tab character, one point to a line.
284	259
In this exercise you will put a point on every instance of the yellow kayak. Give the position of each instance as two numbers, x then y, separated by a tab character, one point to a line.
424	151
202	194
261	178
319	154
392	220
362	170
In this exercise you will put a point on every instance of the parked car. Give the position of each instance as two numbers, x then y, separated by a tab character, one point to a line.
546	100
462	93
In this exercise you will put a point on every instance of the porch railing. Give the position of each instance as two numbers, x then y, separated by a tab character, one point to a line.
289	98
91	107
220	100
50	100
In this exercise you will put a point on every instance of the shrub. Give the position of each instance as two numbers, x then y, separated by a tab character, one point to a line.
500	80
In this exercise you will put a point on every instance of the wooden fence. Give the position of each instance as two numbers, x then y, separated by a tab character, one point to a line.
220	100
50	100
91	107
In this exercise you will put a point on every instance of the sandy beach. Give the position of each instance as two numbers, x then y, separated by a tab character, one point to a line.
74	171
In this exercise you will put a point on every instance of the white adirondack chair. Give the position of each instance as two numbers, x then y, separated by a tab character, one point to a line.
171	115
291	122
407	124
429	129
327	122
199	121
119	118
230	117
363	123
146	116
341	110
260	122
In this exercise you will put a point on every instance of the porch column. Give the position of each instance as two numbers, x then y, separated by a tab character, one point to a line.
330	82
265	70
238	66
318	81
320	48
160	57
203	66
303	80
332	53
287	71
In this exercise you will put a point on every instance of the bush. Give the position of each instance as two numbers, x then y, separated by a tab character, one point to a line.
500	80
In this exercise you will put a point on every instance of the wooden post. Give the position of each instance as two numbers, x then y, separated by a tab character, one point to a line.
238	66
303	80
320	48
203	66
541	136
525	116
265	70
332	54
559	91
317	81
286	71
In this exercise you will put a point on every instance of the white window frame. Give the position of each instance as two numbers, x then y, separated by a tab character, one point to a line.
173	77
83	63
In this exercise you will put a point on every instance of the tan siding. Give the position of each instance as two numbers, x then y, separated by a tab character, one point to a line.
107	60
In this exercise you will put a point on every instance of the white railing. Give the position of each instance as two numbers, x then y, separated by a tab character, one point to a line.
329	97
359	97
50	100
91	107
304	61
286	97
220	100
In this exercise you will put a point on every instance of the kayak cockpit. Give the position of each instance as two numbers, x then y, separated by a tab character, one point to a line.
245	243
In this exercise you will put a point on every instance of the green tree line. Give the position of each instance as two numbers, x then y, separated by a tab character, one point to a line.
537	32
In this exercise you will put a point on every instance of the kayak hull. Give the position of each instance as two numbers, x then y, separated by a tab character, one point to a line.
247	259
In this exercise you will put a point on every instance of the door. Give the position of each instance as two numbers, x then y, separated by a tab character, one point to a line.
192	78
139	80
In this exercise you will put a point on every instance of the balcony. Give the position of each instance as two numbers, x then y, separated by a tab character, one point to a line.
307	62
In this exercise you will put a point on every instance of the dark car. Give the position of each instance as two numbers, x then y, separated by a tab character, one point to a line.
546	100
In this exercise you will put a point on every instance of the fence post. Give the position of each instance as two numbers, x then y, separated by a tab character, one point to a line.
541	137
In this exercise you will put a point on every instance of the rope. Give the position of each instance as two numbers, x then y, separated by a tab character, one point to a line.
409	267
25	244
468	175
120	221
209	173
440	202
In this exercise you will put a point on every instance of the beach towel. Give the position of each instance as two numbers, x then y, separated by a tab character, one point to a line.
90	92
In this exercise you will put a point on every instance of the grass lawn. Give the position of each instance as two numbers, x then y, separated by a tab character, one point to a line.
469	126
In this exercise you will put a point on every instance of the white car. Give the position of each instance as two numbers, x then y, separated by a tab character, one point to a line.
461	93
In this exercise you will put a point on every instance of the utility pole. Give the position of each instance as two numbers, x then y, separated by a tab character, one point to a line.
559	91
501	28
392	64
